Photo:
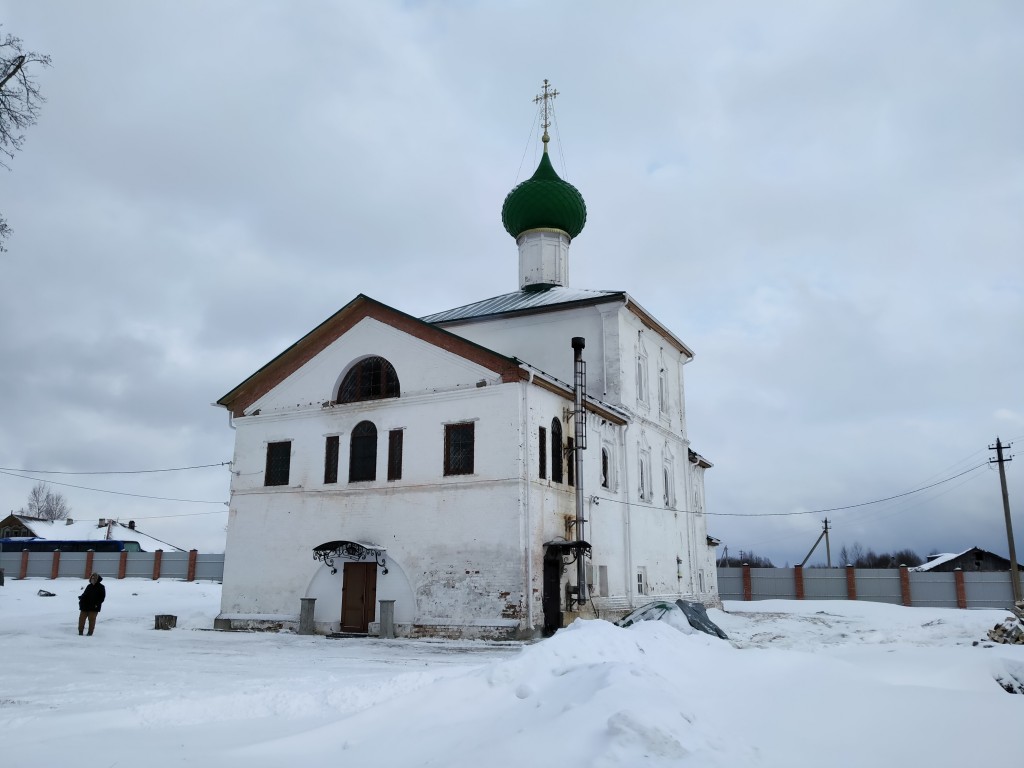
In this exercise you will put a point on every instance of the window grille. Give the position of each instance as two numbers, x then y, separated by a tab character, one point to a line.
542	443
331	451
458	449
362	459
395	437
279	459
556	451
373	378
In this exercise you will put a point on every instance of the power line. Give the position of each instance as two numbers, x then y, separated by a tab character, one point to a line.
181	514
112	471
807	511
116	493
848	506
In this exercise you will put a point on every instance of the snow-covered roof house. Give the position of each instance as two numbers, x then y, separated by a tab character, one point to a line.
973	559
28	528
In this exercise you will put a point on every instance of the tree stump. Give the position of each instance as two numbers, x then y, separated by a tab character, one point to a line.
166	621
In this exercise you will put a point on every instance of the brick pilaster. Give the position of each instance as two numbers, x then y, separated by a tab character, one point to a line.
961	590
905	586
748	589
851	583
55	568
88	564
122	565
23	574
158	556
192	554
798	580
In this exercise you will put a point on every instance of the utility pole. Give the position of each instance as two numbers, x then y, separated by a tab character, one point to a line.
1014	575
828	547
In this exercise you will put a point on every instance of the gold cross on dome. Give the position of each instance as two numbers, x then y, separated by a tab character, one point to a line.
544	98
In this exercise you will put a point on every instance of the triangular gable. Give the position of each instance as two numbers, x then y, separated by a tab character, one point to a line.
361	307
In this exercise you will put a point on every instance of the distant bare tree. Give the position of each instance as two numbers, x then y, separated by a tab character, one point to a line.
46	504
907	557
746	558
859	558
20	100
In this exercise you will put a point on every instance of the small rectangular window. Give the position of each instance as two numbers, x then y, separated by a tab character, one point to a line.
458	449
602	580
641	581
331	459
279	459
395	454
570	452
542	442
605	462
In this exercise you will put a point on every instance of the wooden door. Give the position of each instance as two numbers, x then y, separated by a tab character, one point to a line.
358	596
551	599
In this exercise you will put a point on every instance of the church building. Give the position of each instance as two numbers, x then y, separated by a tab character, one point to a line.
494	470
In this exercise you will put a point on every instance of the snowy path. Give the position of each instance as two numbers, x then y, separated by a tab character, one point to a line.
802	684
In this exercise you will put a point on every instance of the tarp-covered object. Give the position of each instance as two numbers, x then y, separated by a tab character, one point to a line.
684	615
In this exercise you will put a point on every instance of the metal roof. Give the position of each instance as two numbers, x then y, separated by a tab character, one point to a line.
552	298
523	301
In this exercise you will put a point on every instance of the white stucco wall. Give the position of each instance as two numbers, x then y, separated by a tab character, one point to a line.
544	340
452	541
466	551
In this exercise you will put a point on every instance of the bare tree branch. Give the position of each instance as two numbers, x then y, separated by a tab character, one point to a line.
45	504
20	100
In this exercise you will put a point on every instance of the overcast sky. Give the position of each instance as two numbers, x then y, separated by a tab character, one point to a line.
823	199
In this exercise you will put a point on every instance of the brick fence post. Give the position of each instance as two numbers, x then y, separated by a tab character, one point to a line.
851	583
122	565
961	590
88	563
191	575
905	586
157	557
748	589
55	568
23	574
798	580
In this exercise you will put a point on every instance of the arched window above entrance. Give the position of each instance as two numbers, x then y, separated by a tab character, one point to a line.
372	378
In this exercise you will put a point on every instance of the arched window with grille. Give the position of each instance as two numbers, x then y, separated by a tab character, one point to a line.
372	378
362	457
556	451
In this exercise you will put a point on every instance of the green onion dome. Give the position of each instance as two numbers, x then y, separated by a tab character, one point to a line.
544	201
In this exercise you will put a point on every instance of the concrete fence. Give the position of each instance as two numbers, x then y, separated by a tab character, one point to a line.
188	566
901	586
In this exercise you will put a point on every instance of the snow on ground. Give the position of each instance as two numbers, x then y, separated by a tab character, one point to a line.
800	684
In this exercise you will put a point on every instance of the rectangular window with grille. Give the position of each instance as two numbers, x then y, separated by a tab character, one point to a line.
331	459
395	454
279	460
570	454
542	443
458	449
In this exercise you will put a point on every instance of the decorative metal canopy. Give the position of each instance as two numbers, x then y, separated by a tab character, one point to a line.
349	550
569	551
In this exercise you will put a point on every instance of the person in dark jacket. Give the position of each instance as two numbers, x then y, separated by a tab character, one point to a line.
89	602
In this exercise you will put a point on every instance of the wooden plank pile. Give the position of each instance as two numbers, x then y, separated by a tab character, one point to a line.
1011	631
